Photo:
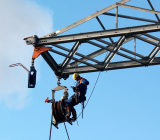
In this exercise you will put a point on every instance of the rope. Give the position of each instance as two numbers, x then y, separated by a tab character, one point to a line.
50	128
66	131
91	94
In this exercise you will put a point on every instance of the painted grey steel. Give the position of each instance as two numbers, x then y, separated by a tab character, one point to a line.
138	8
100	38
71	54
153	40
104	28
112	50
92	55
123	49
113	66
84	19
51	62
143	39
106	42
103	50
153	9
60	53
115	51
100	23
98	34
151	53
131	17
135	47
151	59
116	17
151	36
79	54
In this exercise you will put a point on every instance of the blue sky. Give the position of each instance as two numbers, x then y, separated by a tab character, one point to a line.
125	103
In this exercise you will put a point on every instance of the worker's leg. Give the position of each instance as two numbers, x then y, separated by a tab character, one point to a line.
69	107
68	113
74	114
68	104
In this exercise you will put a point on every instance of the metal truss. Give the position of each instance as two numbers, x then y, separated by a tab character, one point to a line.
99	38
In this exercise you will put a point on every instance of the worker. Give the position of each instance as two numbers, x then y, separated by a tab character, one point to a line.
78	97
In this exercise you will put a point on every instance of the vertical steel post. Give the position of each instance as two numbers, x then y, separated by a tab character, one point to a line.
116	17
135	47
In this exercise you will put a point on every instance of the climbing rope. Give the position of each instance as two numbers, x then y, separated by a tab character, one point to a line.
50	128
90	94
66	131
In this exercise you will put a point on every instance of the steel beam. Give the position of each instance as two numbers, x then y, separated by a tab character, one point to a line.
131	32
51	62
85	19
71	54
138	8
112	50
79	54
96	35
153	57
116	17
100	23
153	9
151	36
131	17
103	28
153	40
115	51
60	53
112	66
144	39
106	42
101	51
92	55
151	53
123	49
135	47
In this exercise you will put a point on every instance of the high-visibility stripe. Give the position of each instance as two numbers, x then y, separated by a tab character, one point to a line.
81	80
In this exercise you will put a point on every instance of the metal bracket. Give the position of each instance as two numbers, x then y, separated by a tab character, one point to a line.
31	40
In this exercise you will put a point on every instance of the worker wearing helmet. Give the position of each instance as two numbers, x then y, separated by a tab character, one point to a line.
79	96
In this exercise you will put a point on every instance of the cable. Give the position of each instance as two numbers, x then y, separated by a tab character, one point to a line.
50	128
66	131
91	94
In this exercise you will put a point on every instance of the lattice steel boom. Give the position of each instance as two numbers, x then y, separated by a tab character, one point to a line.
105	41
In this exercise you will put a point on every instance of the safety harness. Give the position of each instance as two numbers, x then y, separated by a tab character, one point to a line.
84	99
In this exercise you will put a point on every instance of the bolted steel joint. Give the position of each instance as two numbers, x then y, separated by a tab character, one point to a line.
31	40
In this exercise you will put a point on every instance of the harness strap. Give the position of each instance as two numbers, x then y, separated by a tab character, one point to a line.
82	108
81	80
82	101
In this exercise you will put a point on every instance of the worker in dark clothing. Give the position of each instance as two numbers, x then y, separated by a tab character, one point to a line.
79	96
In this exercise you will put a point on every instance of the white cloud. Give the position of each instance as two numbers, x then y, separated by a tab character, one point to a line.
19	19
